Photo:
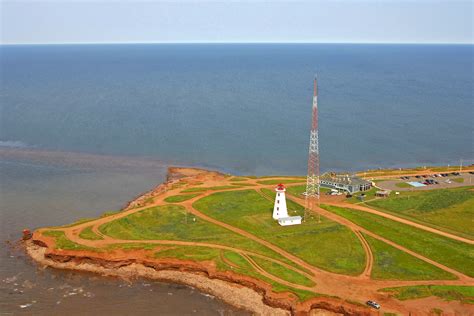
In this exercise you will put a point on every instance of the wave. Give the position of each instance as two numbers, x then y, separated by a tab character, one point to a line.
13	144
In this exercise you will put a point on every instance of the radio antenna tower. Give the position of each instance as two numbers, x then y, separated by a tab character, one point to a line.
312	179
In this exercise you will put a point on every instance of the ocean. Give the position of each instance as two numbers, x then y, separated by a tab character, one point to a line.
129	111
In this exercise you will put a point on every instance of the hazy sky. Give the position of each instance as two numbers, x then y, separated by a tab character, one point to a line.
66	21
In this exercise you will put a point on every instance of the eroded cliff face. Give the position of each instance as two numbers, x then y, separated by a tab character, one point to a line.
239	290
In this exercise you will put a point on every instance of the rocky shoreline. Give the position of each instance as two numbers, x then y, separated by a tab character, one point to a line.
239	291
233	294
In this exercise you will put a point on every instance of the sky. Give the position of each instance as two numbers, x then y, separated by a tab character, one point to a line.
326	21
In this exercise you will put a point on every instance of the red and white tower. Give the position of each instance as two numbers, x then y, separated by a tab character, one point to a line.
312	179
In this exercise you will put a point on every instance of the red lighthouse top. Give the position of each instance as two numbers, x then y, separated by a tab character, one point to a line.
280	187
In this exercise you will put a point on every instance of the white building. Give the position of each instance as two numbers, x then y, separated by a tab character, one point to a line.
280	212
344	182
292	220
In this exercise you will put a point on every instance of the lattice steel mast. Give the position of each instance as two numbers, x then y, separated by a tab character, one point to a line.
312	179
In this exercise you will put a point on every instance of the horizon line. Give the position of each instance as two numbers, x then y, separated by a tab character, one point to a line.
236	42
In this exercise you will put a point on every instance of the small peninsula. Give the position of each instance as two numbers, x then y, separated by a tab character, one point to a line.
409	248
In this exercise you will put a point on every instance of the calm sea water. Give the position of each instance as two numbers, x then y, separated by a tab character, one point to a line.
239	108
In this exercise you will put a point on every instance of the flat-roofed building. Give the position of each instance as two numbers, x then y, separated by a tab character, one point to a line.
291	220
382	193
344	182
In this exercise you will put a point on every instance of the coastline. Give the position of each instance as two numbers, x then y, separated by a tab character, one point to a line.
236	295
239	291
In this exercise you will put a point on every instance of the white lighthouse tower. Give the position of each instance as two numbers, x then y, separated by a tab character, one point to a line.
279	209
280	212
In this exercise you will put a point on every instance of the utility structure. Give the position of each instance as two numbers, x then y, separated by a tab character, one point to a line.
312	179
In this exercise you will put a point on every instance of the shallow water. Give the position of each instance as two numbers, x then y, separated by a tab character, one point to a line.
39	193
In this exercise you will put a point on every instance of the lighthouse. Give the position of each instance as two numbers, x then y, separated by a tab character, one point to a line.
279	209
280	212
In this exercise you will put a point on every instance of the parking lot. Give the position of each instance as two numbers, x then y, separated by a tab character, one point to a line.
440	181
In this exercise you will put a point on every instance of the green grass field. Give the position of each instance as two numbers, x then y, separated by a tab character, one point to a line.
403	185
452	253
451	210
282	272
393	264
238	265
62	242
180	198
194	253
297	190
327	245
464	294
87	233
168	222
244	267
369	195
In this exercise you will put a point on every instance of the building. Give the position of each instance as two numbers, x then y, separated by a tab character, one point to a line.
288	221
344	182
280	211
382	193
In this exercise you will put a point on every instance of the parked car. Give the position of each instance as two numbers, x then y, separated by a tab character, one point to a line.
373	304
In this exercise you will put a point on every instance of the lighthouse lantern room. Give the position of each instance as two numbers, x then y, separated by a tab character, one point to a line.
279	209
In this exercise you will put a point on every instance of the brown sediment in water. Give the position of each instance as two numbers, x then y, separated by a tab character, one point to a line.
237	290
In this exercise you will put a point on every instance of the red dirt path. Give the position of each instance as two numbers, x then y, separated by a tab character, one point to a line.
355	288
